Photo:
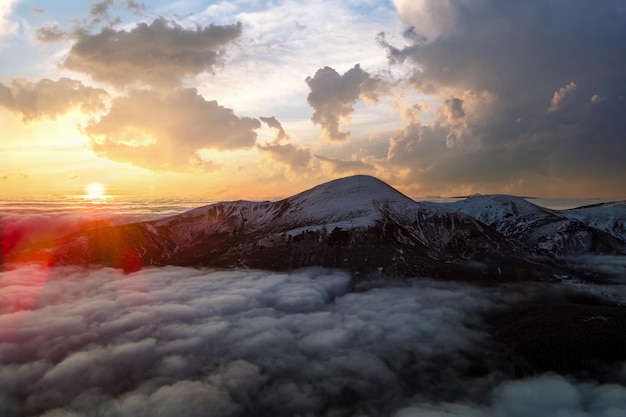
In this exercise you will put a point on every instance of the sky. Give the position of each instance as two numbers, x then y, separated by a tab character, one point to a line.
256	99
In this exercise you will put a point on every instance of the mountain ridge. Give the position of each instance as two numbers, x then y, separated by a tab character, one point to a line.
542	230
356	223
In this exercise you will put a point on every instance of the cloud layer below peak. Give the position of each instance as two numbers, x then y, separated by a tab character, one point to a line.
179	341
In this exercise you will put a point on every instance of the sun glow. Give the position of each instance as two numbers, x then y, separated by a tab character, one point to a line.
95	191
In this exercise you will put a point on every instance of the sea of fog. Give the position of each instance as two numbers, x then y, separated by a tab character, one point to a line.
175	341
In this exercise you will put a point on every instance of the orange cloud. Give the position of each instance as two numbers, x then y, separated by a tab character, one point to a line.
47	98
167	132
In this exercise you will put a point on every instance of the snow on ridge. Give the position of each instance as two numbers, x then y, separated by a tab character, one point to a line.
353	201
547	230
359	201
510	215
609	217
347	195
357	189
346	203
499	207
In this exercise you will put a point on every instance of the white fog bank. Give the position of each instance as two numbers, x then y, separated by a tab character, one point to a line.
187	342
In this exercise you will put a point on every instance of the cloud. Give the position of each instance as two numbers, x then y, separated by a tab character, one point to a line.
51	34
343	166
7	26
12	175
482	54
135	6
161	53
275	124
595	99
99	13
333	96
279	344
49	99
181	341
432	160
294	156
543	396
166	132
452	115
610	266
100	9
433	19
282	150
452	110
276	52
559	97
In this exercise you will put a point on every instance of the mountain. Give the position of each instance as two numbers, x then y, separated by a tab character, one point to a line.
609	217
549	232
357	223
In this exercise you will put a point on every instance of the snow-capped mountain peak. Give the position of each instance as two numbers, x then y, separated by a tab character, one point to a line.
345	202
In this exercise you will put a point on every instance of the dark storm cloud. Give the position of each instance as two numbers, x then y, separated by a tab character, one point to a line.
552	163
333	96
526	73
180	341
435	159
49	99
161	53
486	46
166	132
283	150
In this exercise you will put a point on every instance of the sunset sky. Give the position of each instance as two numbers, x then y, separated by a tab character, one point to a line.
257	99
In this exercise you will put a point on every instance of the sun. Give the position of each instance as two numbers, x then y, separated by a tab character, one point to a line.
95	191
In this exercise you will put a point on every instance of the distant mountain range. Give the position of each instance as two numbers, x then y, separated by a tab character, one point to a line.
359	224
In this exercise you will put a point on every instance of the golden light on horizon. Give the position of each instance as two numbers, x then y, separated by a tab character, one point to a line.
95	191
